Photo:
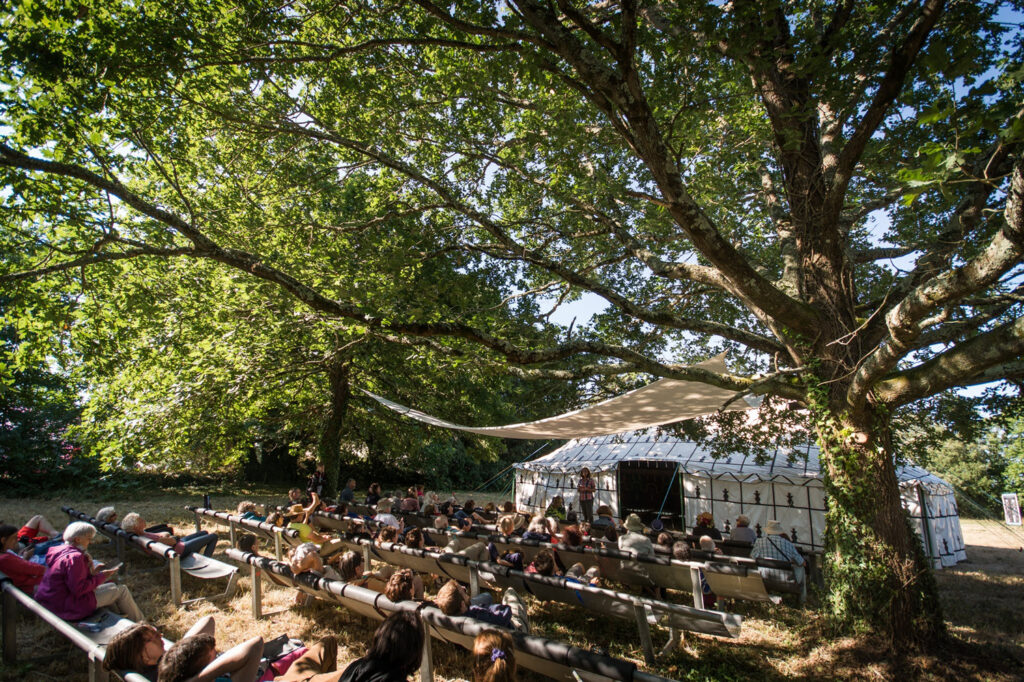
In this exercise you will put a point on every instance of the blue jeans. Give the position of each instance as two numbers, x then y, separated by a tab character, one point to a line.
199	541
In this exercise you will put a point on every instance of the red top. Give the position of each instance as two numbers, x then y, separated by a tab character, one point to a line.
24	574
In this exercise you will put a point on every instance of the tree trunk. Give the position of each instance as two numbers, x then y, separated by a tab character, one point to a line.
330	437
876	571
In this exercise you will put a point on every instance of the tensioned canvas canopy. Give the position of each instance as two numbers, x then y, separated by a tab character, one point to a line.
662	402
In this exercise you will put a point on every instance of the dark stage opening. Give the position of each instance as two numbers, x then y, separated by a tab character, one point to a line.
643	485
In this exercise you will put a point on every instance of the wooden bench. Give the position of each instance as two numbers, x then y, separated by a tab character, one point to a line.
100	629
728	577
261	529
643	610
548	657
196	565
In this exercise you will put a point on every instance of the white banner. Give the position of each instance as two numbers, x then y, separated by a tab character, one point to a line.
1011	509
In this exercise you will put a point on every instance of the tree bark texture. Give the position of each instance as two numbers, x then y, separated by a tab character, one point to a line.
330	437
876	570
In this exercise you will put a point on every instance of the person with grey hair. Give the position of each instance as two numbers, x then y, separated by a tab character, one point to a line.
107	515
72	587
743	532
190	544
384	514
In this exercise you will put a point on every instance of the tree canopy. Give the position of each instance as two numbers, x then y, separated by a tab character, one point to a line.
833	191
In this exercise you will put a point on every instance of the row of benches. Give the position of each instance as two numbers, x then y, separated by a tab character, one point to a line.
554	659
195	565
92	639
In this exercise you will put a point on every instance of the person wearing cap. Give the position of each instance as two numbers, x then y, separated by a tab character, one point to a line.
634	539
774	545
743	532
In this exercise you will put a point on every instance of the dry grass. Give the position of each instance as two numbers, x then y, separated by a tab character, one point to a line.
981	601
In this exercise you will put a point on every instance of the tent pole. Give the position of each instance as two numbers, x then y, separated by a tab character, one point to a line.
926	527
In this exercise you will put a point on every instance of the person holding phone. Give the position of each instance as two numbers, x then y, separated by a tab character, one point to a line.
73	588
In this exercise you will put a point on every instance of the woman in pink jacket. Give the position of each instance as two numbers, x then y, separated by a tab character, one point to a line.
72	588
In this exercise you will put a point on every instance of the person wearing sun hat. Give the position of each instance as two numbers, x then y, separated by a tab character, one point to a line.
774	545
634	539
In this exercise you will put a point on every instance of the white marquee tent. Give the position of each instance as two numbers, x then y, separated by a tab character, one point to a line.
640	471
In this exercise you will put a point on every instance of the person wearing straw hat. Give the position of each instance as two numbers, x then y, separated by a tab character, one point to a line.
775	545
634	539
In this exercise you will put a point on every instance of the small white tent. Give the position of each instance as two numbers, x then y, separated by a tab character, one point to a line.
651	475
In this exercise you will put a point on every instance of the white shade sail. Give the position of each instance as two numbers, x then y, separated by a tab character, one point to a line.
662	402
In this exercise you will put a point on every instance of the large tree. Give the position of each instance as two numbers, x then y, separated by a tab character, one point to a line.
835	191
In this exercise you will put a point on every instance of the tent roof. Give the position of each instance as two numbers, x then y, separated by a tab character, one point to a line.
794	466
662	402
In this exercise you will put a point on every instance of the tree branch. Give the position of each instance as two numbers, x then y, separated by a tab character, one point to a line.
982	356
888	90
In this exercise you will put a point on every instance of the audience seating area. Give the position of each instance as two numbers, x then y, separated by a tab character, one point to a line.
92	638
195	565
553	659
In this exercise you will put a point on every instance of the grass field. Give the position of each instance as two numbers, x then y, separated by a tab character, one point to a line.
982	601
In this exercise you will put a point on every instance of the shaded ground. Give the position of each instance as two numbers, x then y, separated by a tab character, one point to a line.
981	599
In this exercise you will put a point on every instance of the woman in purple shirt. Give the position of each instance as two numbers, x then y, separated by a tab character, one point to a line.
72	588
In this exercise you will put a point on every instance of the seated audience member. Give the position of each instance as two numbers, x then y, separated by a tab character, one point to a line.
318	664
572	537
508	558
680	551
418	538
247	510
295	497
743	532
348	493
468	511
373	496
634	540
190	544
140	647
490	508
386	534
37	530
506	526
72	588
25	574
411	502
306	559
107	515
404	585
611	535
706	526
604	518
590	576
544	564
454	600
196	658
775	545
556	509
384	515
494	657
537	530
708	545
350	567
664	543
431	498
248	543
396	651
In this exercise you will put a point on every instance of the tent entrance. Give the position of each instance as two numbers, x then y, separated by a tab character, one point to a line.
643	485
